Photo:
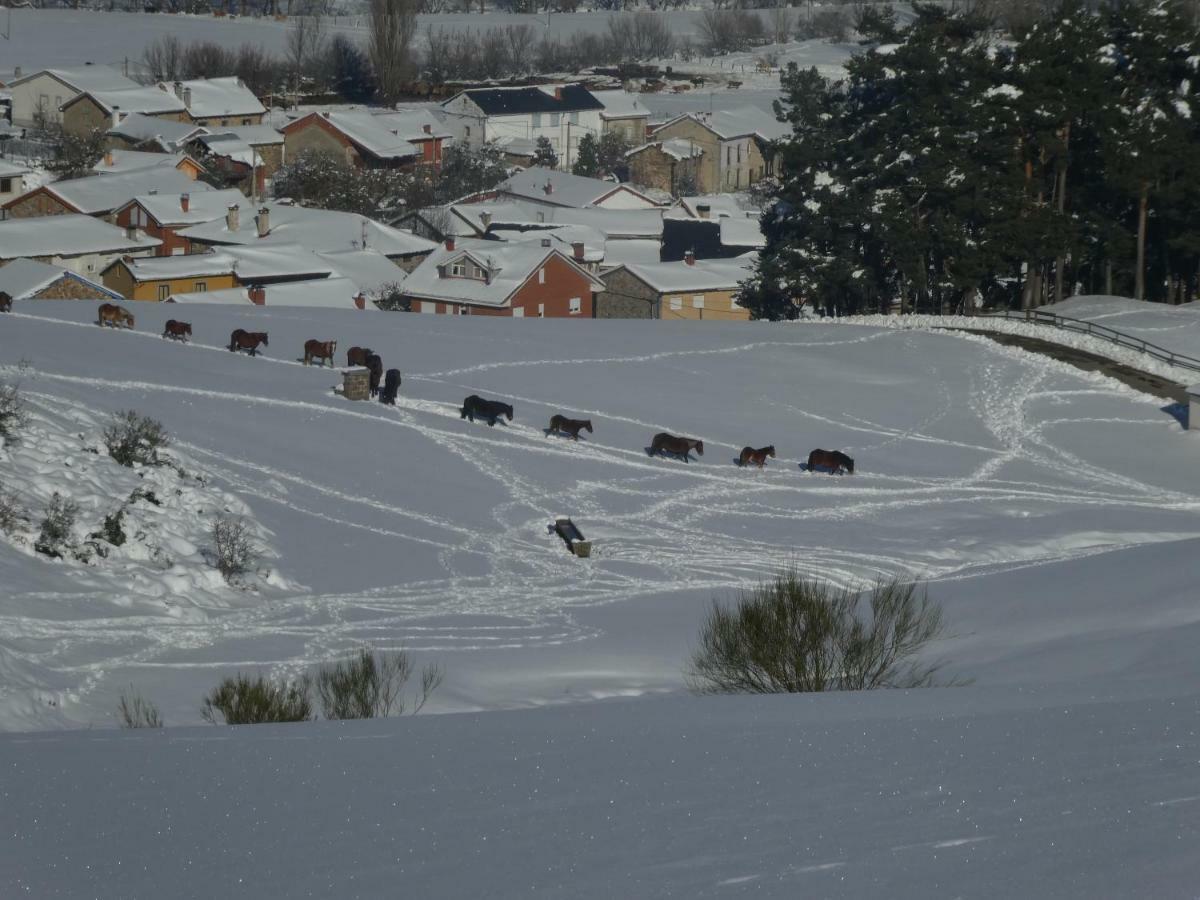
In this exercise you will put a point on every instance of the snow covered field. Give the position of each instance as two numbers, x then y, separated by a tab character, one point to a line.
411	526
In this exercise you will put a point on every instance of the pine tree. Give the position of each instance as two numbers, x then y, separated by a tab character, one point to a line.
587	162
543	154
610	154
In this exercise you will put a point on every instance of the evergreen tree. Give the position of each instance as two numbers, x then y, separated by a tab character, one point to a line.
610	154
543	154
587	162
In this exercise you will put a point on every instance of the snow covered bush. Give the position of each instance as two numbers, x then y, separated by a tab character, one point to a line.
56	528
234	552
131	439
13	415
371	685
794	634
241	700
135	711
114	530
12	513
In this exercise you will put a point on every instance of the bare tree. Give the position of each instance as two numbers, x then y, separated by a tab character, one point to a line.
392	25
782	23
305	43
163	60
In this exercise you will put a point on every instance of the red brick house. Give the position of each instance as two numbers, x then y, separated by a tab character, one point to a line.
163	216
492	278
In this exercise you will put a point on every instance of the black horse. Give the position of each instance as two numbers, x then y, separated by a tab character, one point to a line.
485	409
391	387
375	365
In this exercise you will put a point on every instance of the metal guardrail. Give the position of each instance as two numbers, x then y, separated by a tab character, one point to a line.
1080	326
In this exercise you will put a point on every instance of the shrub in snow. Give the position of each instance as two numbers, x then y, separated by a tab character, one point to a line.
13	415
244	701
794	634
113	530
131	438
234	552
12	513
371	685
57	526
135	711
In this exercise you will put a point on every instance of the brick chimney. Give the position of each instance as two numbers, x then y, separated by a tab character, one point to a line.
185	201
703	210
690	257
548	187
108	157
131	232
179	89
232	219
485	219
360	301
558	92
116	116
577	246
427	128
263	220
545	242
17	72
258	295
450	242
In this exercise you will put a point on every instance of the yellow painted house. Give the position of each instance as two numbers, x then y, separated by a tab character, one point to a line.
158	277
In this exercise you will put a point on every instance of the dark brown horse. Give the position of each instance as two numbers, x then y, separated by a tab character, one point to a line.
375	365
833	460
177	331
486	409
560	424
248	341
112	315
5	302
391	387
757	457
322	350
357	356
677	446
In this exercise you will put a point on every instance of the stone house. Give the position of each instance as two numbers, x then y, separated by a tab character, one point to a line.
369	139
689	289
26	279
98	195
217	102
671	165
623	114
91	111
39	96
737	145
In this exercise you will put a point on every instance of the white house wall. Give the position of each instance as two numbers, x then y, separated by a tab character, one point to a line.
26	96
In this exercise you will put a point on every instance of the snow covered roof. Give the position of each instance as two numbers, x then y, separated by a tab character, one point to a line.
134	99
564	236
23	278
718	205
550	186
12	170
369	269
266	262
516	146
313	229
744	121
66	235
618	252
679	148
741	232
703	275
328	293
228	145
545	98
167	209
216	97
139	128
84	78
612	223
510	265
122	162
98	194
159	268
383	135
254	135
620	105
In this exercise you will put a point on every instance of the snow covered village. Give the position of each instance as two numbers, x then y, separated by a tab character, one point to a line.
605	449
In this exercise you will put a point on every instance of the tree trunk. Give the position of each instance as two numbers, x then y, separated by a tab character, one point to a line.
1060	191
1108	280
1139	278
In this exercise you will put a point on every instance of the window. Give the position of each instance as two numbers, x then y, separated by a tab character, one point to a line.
57	107
467	134
537	120
576	306
518	312
541	276
698	302
739	149
676	303
728	155
224	121
5	185
164	291
573	118
177	251
200	287
458	269
541	217
541	310
428	306
245	121
555	118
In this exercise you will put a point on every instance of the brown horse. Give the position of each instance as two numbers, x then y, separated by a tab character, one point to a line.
248	341
322	350
5	302
177	331
678	446
560	424
375	366
492	410
113	316
833	460
357	356
757	457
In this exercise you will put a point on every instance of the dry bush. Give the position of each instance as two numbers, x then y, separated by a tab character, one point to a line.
134	711
241	700
234	552
131	439
371	685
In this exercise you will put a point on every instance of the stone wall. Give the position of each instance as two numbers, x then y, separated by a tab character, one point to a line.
70	289
625	297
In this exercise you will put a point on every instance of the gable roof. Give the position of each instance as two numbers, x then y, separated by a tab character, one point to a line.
123	162
205	206
728	124
141	128
703	275
552	187
273	262
135	99
254	135
336	293
217	97
371	134
677	148
23	278
65	236
510	265
12	170
369	269
524	100
161	268
99	194
612	223
620	105
83	78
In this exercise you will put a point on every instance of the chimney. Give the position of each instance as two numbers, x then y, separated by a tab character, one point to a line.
450	242
185	201
427	128
16	73
558	92
131	232
545	242
258	295
485	219
326	114
187	98
263	220
548	188
179	89
108	157
232	219
702	210
690	257
116	116
360	301
577	246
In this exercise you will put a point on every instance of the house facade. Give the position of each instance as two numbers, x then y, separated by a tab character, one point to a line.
562	114
671	165
156	279
736	146
92	111
12	181
623	114
164	216
689	289
38	98
217	102
369	140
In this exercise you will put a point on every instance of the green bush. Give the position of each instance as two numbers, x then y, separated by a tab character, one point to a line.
371	685
794	634
242	700
136	712
133	439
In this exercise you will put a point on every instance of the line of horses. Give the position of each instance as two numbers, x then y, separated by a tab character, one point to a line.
473	407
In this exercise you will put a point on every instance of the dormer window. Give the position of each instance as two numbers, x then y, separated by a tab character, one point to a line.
459	269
